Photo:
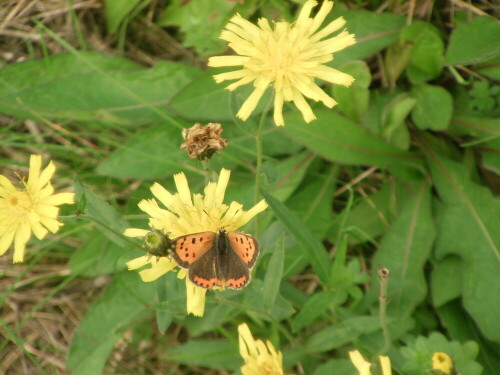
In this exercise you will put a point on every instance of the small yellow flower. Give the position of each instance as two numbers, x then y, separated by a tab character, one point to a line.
442	363
188	213
32	208
363	366
260	358
288	58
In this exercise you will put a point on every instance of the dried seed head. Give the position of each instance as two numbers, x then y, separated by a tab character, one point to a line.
201	142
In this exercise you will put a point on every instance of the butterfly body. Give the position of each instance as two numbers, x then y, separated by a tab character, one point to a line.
221	259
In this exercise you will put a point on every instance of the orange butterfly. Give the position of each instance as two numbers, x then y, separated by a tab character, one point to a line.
221	259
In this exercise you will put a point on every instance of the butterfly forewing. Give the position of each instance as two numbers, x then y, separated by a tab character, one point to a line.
188	249
245	246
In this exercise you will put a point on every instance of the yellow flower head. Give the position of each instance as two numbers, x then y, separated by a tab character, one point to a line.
288	57
363	366
260	358
442	363
188	213
32	208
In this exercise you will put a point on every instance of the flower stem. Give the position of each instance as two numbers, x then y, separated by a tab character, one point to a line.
259	148
204	163
383	274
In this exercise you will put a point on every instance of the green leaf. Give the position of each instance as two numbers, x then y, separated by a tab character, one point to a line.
282	178
205	99
337	367
394	128
460	327
373	31
150	154
371	217
340	334
474	42
116	10
468	227
200	21
475	126
107	219
274	272
310	311
103	324
164	289
338	139
218	354
90	87
353	100
215	316
426	53
312	247
490	68
313	201
404	251
433	108
419	354
446	281
96	257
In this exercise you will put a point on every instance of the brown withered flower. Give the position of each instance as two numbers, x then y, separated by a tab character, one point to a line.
202	141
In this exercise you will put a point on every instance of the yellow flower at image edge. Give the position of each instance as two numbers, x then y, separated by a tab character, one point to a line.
259	358
32	209
363	366
442	363
288	57
188	213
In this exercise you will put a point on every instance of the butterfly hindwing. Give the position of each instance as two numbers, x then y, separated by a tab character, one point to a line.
245	246
203	272
238	274
188	249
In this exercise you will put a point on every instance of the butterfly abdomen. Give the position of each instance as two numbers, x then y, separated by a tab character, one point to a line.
222	249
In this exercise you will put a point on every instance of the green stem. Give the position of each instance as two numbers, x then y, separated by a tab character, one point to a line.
384	281
108	228
259	151
204	163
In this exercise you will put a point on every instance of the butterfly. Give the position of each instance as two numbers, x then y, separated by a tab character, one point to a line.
222	259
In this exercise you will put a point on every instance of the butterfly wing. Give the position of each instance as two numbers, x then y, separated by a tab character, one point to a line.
203	271
237	274
188	249
246	247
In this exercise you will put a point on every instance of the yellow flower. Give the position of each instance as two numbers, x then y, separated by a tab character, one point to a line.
188	213
289	58
32	208
363	366
442	362
260	358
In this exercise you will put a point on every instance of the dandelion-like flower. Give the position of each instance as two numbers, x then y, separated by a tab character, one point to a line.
188	213
30	209
288	58
259	358
363	366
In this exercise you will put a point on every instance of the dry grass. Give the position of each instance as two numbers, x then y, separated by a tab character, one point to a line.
35	323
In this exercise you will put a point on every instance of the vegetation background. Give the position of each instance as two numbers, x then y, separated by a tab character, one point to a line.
402	174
